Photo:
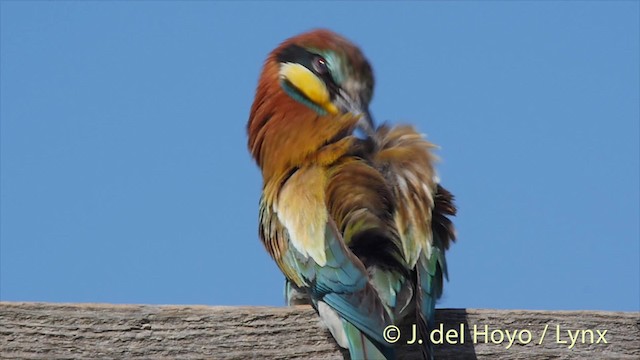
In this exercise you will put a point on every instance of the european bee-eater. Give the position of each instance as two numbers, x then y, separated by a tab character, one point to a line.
352	213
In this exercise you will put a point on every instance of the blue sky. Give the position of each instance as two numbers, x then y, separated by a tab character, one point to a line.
125	176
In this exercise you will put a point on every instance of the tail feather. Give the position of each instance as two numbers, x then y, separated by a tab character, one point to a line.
429	281
361	347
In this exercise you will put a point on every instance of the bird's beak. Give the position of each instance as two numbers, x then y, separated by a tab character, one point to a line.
352	104
366	123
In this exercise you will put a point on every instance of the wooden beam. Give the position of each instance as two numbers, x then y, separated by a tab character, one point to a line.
98	331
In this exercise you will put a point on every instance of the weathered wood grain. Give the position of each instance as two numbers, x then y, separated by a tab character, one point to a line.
103	331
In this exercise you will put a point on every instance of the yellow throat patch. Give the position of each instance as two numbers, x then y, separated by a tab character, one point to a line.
309	84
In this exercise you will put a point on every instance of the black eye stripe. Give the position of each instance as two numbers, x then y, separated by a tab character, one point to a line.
316	63
293	54
312	61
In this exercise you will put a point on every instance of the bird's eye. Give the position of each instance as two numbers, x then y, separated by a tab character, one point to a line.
320	65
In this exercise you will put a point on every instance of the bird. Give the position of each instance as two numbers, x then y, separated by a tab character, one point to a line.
351	212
